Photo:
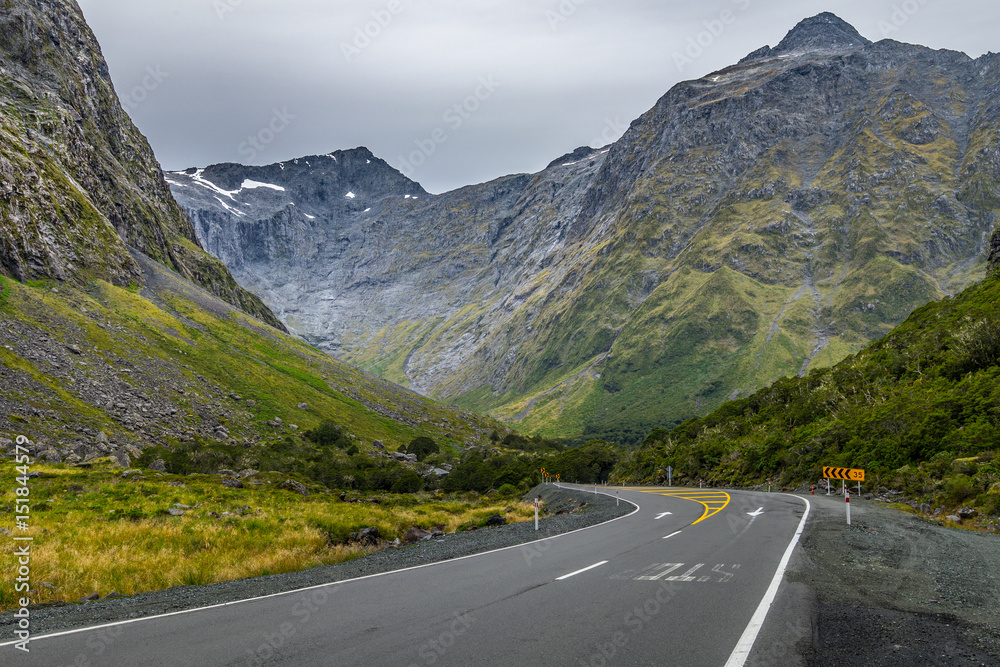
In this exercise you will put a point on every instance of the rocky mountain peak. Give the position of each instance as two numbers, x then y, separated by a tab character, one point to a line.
824	31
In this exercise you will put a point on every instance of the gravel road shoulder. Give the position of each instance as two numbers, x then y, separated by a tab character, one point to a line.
891	589
571	510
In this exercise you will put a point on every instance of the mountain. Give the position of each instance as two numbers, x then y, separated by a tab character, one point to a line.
765	220
117	331
79	184
916	406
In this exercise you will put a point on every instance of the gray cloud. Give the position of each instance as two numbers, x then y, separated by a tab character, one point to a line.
568	70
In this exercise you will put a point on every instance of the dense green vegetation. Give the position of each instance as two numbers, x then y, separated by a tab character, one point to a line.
482	472
906	409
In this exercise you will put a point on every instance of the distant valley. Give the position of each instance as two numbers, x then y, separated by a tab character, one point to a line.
762	221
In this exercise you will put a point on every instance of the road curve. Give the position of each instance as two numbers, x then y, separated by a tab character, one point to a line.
678	582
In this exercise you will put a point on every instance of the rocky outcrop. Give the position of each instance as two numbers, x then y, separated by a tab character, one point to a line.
995	251
761	221
79	184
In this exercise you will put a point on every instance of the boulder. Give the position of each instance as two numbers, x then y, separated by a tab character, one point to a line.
232	483
303	406
90	598
122	458
49	456
366	537
249	472
967	513
925	508
296	487
495	520
415	534
378	444
175	511
158	466
953	518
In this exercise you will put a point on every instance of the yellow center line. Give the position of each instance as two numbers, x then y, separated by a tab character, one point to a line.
713	501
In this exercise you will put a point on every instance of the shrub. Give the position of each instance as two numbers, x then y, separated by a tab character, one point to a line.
508	490
408	482
958	488
422	447
328	434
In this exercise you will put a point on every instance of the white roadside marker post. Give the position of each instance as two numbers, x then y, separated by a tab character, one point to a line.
536	512
827	487
847	498
618	500
859	489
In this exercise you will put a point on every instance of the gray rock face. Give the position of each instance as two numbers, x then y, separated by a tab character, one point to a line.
755	223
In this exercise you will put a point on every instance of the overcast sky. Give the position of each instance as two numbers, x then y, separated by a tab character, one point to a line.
260	81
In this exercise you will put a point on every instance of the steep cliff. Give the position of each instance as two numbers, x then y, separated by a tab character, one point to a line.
79	184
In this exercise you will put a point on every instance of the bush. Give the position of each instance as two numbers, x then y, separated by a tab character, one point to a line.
408	482
422	447
957	489
328	434
508	490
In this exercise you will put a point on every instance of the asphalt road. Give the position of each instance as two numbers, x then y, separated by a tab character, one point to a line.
677	582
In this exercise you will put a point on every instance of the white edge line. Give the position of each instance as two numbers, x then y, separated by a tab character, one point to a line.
744	646
317	586
672	534
581	571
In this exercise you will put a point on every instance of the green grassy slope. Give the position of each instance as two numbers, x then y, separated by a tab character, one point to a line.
174	362
927	393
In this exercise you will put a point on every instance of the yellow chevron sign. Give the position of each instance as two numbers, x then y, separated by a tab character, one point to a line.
849	474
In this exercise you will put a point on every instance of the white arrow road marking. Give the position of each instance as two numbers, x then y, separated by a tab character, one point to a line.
573	574
672	534
757	513
662	515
